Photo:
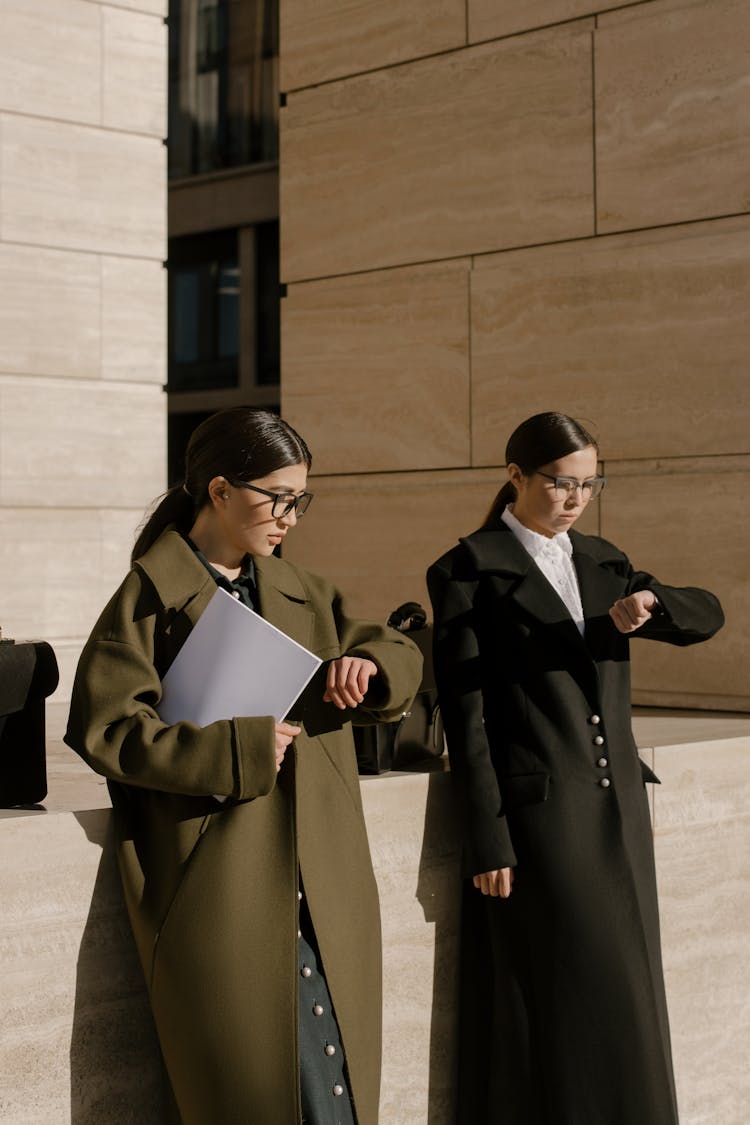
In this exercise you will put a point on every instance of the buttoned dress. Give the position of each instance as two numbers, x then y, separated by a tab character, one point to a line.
563	1009
212	886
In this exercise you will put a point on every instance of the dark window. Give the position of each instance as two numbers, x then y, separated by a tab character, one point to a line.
204	301
223	84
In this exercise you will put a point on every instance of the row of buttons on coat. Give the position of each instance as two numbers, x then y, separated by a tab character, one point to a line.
318	1010
598	740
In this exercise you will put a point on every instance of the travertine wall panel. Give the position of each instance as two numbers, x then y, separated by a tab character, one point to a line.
70	186
150	7
684	521
49	312
489	19
375	535
376	369
330	38
374	172
672	112
134	75
60	567
41	50
134	345
646	334
93	444
702	848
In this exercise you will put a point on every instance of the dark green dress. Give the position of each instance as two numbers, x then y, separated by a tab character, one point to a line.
323	1085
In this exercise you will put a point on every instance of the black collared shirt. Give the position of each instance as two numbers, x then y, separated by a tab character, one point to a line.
243	587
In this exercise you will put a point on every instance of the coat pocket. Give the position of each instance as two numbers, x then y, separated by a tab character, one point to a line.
523	789
648	774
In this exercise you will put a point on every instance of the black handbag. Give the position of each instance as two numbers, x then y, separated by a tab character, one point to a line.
415	741
28	674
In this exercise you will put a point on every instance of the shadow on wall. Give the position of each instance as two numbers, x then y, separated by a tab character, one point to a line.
115	1067
439	894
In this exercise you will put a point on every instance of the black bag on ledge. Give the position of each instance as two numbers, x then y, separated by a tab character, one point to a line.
28	674
414	742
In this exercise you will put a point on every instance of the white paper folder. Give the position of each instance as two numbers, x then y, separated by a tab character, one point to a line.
233	664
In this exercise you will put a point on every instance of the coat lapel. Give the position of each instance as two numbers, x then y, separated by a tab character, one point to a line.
283	599
496	551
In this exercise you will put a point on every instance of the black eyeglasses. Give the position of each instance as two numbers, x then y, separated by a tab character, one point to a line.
283	502
566	486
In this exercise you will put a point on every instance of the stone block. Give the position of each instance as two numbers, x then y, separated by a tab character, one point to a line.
49	312
644	334
419	881
80	444
59	568
679	520
51	56
376	535
75	187
490	19
467	152
702	847
328	39
152	7
375	370
134	76
75	1026
672	112
134	329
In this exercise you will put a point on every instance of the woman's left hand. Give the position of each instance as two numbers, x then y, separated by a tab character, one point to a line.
348	681
630	613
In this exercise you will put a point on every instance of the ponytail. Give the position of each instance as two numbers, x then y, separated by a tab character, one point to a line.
174	507
505	496
241	443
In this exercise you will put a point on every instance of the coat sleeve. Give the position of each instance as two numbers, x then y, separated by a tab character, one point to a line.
398	660
687	614
114	723
457	673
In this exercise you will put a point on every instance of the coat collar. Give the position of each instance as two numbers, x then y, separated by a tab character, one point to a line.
495	550
181	581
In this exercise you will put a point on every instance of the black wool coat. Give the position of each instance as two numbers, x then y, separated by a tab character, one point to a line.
564	1018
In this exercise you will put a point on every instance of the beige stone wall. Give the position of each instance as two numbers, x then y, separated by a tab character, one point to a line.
82	304
489	209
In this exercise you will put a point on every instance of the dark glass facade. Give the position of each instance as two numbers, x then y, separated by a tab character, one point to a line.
223	84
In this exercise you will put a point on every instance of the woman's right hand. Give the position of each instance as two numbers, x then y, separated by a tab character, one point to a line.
285	732
495	883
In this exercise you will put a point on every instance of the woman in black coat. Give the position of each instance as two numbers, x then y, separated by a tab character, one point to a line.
564	1018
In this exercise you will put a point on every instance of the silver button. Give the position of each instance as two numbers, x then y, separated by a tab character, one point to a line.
604	783
595	720
317	1009
306	971
299	896
338	1090
598	741
330	1049
299	933
235	594
602	762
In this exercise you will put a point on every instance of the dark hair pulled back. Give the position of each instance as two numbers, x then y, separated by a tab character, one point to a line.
241	443
539	440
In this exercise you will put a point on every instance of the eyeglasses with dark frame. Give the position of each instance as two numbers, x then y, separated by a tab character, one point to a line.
283	502
566	486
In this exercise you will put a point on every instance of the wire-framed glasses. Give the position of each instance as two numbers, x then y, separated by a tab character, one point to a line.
283	502
563	487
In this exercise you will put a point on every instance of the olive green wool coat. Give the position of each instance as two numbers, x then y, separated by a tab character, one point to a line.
211	888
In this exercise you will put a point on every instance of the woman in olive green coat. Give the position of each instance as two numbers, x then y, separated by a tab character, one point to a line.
213	886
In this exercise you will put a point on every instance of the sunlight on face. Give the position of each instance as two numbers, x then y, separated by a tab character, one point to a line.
537	506
246	517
